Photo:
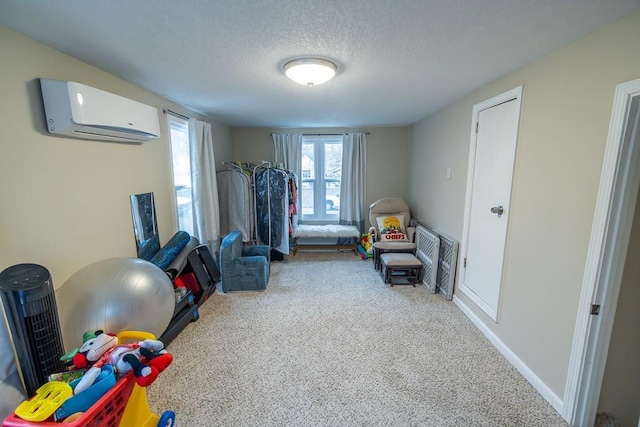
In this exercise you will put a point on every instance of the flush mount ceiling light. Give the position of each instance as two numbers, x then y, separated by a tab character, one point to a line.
310	71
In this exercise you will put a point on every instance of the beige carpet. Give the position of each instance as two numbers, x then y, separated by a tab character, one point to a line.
329	344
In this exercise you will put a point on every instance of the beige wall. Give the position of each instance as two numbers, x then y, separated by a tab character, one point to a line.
565	117
620	394
65	202
386	154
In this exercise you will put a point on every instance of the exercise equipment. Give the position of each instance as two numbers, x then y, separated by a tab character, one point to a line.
115	294
168	253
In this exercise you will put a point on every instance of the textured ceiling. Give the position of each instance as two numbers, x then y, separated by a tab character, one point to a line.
399	60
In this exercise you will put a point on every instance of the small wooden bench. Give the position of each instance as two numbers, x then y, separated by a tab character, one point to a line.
400	268
328	231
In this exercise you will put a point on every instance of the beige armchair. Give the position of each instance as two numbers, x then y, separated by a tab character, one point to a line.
390	230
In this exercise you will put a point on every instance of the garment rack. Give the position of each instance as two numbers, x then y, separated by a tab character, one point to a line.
266	165
243	170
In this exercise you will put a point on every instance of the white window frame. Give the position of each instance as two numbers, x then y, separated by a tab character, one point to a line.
320	215
180	123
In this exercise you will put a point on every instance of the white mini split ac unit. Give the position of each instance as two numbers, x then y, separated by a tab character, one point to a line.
81	111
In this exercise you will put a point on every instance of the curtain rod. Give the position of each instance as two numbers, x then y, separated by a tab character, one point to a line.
167	111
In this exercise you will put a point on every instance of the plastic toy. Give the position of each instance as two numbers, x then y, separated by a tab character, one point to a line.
83	401
365	247
145	358
48	398
124	405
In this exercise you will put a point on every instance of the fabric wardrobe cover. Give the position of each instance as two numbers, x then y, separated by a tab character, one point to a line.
236	203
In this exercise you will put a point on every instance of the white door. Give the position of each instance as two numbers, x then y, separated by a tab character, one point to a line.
493	148
612	225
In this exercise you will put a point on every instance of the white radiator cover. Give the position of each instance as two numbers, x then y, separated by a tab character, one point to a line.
427	251
447	262
443	254
80	111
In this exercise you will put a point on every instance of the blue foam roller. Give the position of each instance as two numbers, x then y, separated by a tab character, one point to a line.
171	249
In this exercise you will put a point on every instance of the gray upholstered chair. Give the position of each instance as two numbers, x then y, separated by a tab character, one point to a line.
390	230
243	268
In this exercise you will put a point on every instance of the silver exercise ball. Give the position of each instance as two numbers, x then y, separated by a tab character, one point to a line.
114	295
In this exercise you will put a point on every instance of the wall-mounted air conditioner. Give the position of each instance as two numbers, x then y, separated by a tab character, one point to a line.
81	111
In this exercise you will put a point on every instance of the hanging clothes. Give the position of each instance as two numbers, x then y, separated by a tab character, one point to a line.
293	202
236	202
271	189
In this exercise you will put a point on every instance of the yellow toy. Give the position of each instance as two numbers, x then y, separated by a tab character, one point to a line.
365	247
124	405
47	399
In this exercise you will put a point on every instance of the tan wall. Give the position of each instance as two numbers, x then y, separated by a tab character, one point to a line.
620	394
565	117
65	202
386	154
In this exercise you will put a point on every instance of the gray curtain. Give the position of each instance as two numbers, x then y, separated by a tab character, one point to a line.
287	150
353	183
204	187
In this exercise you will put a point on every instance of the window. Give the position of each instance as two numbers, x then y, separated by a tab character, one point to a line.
181	165
321	173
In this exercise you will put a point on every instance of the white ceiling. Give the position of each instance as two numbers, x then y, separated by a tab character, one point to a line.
399	60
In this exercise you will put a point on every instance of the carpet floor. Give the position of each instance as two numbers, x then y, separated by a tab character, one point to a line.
329	344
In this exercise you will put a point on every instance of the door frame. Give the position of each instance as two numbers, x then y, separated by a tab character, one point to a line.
514	94
611	228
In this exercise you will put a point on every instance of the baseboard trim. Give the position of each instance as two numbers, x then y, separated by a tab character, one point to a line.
517	363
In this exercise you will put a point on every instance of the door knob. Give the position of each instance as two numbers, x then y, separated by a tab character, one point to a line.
497	210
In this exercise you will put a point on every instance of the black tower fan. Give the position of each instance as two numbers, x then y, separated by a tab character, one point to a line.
29	303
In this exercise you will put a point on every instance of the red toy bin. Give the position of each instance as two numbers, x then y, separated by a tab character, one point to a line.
106	412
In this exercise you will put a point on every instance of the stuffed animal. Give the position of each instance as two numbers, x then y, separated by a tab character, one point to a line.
146	358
